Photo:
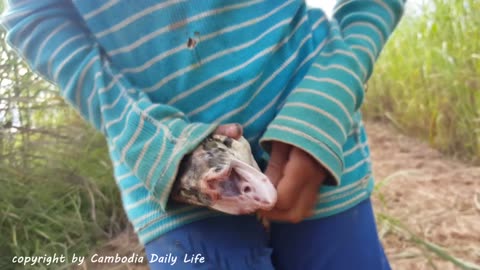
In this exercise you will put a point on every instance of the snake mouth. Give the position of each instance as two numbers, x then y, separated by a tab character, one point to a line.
240	189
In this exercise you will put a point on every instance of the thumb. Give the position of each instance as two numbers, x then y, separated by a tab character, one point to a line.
278	160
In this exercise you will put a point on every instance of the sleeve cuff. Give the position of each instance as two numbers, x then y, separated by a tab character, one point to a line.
187	142
327	157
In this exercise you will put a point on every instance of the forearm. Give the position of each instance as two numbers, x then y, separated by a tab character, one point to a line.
318	114
51	36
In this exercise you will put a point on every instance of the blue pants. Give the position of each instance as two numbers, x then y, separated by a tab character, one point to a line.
348	240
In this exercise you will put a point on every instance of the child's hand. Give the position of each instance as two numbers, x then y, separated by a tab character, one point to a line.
297	177
234	131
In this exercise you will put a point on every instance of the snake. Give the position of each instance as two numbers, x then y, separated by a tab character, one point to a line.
222	174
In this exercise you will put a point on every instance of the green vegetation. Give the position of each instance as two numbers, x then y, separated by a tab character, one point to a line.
57	192
427	81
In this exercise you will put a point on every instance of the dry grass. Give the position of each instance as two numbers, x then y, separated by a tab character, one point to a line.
427	80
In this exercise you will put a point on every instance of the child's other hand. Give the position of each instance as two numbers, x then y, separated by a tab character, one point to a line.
234	131
297	177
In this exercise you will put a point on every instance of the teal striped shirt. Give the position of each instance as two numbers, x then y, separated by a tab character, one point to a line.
157	77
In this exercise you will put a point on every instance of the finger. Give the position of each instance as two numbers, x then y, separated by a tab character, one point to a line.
301	170
289	191
298	171
278	159
304	165
303	208
233	131
311	198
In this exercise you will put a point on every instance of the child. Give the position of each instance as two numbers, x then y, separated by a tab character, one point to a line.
157	77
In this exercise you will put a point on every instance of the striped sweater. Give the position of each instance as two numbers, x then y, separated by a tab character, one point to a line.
158	76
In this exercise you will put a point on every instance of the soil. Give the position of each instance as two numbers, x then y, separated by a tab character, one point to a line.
433	197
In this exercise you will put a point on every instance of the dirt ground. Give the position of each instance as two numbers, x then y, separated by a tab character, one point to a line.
437	198
434	197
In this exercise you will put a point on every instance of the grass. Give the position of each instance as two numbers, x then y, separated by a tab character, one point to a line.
428	246
68	204
391	224
427	81
427	84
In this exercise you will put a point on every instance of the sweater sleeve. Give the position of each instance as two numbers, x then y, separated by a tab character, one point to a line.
318	114
150	139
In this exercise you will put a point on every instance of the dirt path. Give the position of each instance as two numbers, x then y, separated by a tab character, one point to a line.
435	197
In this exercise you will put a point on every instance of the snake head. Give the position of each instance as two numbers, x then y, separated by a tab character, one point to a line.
222	174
